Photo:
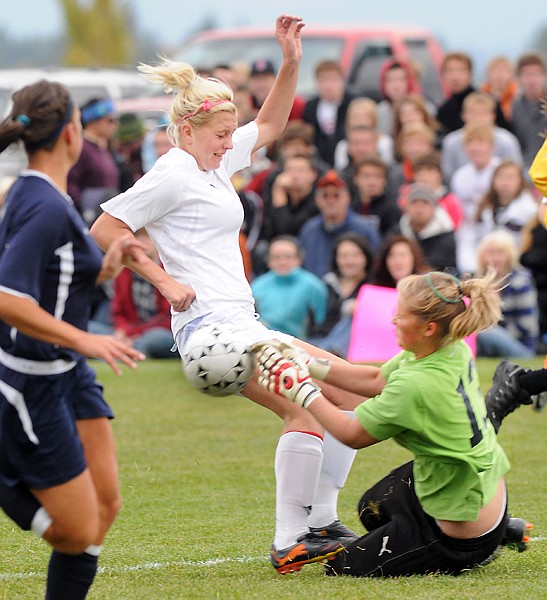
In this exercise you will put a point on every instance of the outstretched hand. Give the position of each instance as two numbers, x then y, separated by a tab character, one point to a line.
107	348
287	32
283	377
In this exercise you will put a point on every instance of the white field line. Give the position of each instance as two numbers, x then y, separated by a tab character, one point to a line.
155	566
149	566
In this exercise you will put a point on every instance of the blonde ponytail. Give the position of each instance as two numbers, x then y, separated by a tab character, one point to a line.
195	98
458	307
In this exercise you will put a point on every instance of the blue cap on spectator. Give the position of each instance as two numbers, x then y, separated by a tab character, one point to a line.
97	109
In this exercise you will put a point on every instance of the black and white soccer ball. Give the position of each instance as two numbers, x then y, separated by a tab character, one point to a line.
217	361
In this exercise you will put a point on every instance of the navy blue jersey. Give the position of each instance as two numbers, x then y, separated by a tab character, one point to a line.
48	256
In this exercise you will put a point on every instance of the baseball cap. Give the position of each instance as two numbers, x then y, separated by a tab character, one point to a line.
330	178
262	67
130	128
96	109
420	191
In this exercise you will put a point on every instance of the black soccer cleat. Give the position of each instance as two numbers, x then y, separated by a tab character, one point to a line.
517	534
308	549
505	394
336	531
539	401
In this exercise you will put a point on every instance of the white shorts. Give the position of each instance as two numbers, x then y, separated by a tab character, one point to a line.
246	324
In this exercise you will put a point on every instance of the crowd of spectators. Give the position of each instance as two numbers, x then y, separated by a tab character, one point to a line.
437	186
359	191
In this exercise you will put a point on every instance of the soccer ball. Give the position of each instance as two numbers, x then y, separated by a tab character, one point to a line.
217	361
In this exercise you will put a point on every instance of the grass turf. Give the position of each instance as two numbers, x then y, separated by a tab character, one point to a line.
197	482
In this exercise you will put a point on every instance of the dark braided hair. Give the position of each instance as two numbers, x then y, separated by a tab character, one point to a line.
39	113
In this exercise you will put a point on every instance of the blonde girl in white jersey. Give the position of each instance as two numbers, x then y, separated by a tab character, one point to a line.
193	214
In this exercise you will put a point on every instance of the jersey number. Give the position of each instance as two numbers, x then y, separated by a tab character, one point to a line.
66	267
477	434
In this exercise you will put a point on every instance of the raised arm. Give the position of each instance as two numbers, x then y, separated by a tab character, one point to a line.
274	114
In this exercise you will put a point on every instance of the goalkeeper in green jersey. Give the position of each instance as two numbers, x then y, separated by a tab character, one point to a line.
446	510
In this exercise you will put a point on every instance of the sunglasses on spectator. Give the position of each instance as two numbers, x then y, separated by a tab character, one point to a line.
330	194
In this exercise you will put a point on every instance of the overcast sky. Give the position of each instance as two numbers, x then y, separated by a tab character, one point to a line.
481	27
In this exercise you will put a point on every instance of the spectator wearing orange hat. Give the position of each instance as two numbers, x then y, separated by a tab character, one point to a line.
318	235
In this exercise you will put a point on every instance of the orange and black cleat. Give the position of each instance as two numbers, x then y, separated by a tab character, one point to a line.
308	549
517	534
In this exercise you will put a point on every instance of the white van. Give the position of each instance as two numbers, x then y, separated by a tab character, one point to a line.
84	84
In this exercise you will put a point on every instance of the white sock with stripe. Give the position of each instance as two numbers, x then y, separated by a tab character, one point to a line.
337	461
298	461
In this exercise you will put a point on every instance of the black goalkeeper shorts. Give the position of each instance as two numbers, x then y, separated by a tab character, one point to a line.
403	539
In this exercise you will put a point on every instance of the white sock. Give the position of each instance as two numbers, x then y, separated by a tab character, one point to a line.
297	464
337	461
93	550
40	522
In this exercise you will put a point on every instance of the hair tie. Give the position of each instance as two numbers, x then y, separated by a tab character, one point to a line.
23	119
441	296
207	105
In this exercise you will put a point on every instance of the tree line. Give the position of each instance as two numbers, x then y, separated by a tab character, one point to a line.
104	33
101	33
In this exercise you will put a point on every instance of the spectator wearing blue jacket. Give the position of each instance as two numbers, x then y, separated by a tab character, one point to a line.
288	298
318	235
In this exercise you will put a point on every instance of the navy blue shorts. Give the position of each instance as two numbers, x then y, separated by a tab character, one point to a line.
39	443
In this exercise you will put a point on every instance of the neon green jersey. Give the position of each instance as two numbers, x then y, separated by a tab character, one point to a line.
435	408
538	170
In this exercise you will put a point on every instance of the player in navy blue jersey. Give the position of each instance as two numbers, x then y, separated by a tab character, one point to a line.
58	470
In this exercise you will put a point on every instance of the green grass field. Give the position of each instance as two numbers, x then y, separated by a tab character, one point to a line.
197	521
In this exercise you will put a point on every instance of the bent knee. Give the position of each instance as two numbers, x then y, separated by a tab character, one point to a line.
111	509
73	540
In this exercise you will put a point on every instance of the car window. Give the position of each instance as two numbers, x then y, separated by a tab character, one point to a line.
364	74
314	51
208	54
420	55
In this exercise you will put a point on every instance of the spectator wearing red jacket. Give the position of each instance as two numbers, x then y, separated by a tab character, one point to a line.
140	314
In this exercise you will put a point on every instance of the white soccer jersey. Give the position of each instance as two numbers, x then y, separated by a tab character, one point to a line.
194	217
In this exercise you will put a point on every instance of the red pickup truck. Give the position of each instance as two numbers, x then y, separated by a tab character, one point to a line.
360	50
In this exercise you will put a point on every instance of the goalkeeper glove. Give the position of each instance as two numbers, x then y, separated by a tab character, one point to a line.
283	377
317	367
